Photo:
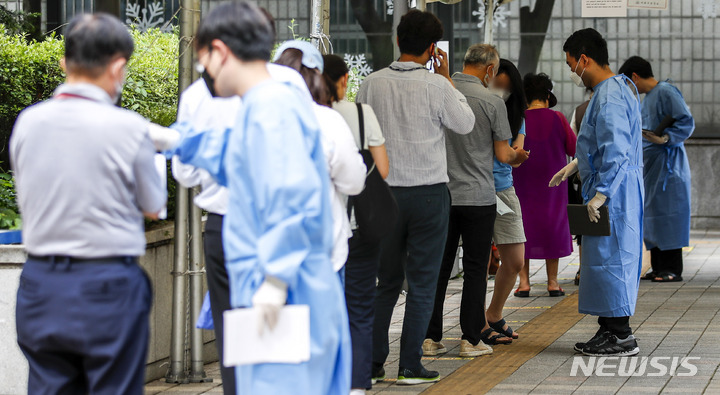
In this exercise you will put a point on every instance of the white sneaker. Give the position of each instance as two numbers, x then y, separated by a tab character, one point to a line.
431	348
357	391
468	350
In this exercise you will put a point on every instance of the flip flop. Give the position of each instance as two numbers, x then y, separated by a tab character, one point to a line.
499	325
495	339
522	294
665	278
556	292
649	275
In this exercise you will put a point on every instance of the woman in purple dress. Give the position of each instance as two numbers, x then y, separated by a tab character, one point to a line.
551	141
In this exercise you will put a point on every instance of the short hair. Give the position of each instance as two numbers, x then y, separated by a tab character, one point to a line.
537	86
292	57
335	68
481	54
637	65
587	42
517	103
417	30
92	41
241	26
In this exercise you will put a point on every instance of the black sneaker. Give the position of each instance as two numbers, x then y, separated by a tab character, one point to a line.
613	347
599	337
378	373
418	376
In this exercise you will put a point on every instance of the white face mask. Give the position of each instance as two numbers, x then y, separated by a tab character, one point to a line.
577	79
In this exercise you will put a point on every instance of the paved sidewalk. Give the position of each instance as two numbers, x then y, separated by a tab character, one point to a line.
672	320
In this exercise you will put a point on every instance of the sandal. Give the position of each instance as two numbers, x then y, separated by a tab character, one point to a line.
556	292
649	275
499	327
522	294
495	339
665	277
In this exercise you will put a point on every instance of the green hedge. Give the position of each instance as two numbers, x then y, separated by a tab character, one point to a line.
30	71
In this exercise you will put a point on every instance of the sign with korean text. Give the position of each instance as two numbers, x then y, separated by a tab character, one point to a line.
604	8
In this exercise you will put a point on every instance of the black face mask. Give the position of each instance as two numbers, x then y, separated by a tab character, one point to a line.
210	82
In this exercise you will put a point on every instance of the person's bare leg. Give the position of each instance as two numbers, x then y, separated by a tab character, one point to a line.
551	268
524	276
512	262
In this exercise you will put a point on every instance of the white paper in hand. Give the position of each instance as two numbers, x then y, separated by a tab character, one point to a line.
289	342
502	208
161	169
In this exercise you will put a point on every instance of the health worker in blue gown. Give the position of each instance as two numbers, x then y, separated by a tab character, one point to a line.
277	232
609	160
667	171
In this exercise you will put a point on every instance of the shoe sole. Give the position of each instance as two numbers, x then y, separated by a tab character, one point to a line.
628	353
376	380
578	349
413	381
436	352
475	353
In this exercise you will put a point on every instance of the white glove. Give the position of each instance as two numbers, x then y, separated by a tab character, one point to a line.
593	206
564	173
268	300
163	138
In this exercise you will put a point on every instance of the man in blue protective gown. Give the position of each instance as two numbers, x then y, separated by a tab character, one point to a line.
667	171
609	159
277	232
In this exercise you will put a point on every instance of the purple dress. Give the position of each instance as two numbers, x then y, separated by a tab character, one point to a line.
549	138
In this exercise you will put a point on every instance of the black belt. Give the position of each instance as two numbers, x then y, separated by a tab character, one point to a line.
72	259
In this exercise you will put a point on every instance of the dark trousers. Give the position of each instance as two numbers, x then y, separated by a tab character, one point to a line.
666	261
83	326
219	289
618	326
475	224
360	275
412	251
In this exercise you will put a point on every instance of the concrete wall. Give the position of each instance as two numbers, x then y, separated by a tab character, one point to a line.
704	157
158	263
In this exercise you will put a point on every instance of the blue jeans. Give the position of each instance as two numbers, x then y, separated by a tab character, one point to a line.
413	250
83	326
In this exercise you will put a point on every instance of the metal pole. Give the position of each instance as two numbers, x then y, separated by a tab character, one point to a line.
421	5
489	12
400	8
176	370
320	25
197	272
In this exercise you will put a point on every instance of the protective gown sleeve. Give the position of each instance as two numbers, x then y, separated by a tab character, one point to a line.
614	141
684	123
202	148
284	191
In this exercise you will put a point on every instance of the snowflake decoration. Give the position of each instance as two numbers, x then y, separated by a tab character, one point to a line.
709	9
390	6
499	16
359	63
146	18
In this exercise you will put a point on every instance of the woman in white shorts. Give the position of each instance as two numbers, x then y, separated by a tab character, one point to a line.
509	235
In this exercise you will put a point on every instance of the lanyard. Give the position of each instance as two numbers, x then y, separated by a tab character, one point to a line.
72	96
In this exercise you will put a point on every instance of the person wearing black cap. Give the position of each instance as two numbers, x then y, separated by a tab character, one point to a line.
551	140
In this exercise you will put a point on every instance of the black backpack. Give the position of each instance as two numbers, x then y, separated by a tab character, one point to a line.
376	210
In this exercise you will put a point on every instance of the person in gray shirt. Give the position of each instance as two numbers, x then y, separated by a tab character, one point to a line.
413	107
472	216
85	175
